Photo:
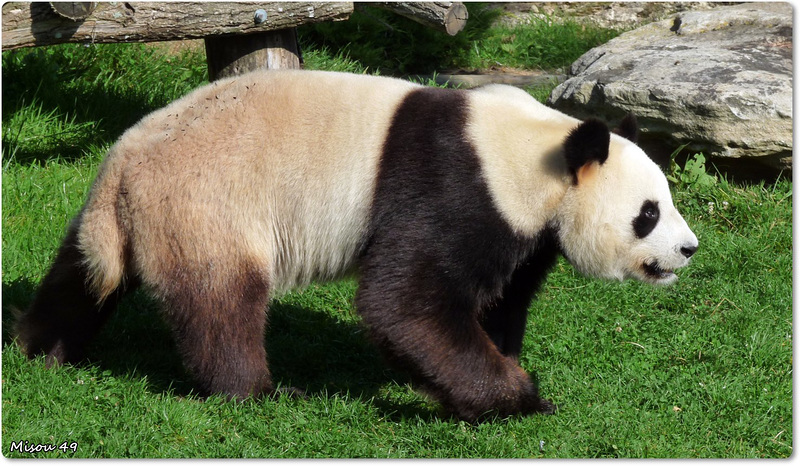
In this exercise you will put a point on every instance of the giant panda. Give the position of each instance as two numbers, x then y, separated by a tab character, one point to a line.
450	205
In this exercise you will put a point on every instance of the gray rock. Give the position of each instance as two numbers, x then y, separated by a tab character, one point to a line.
722	83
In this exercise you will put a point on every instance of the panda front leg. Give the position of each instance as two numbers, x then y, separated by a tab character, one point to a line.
505	318
437	337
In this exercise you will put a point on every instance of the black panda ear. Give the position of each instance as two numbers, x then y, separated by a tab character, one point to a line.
629	128
587	143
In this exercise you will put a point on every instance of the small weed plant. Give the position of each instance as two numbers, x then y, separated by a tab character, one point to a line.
693	174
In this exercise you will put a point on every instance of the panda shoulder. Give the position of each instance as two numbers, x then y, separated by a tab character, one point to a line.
503	90
513	97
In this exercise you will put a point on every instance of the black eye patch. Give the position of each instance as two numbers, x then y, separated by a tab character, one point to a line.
647	219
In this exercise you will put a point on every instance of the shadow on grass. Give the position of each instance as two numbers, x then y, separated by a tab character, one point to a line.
100	91
309	349
317	352
395	45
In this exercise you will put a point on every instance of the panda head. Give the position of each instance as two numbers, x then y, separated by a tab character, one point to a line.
617	219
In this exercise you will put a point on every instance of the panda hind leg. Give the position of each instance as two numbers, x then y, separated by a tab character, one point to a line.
218	319
65	314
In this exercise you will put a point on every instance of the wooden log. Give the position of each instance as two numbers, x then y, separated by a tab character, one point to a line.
232	55
448	16
28	24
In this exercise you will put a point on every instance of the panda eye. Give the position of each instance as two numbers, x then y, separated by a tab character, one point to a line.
647	219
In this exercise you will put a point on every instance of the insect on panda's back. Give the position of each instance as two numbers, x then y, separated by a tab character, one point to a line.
264	166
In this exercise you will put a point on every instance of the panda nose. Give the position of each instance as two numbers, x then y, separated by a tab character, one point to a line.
688	251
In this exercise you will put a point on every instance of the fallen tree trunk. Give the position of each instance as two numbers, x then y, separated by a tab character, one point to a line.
449	16
27	24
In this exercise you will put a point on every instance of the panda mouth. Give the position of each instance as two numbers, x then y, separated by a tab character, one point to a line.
653	270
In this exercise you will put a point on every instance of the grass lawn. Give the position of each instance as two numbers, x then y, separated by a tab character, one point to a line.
699	369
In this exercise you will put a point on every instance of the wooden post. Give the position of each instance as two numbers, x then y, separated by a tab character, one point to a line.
237	54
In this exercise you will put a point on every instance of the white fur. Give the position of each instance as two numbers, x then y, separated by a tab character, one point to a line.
520	145
519	142
595	222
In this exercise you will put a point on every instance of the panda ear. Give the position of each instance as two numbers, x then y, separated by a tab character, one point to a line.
586	144
629	128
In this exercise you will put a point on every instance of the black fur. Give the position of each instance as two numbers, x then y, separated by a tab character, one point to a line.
65	316
218	318
504	320
629	128
647	219
587	143
440	264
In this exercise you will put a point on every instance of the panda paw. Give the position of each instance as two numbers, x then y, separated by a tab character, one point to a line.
545	407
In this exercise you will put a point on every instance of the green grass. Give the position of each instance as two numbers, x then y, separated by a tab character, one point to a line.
699	369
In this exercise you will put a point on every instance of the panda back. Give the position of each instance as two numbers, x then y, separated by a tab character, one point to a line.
281	162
